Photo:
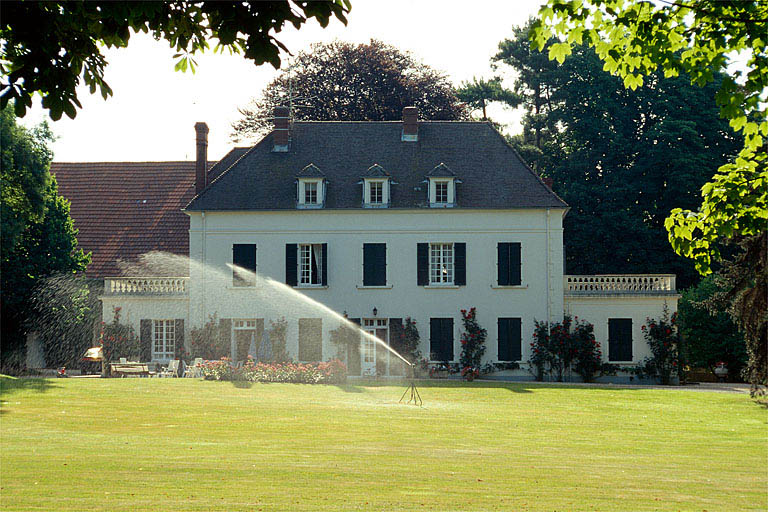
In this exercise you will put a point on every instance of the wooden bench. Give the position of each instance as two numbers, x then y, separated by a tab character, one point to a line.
130	369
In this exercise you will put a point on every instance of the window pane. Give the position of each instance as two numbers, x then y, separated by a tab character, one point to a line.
377	192
441	192
310	193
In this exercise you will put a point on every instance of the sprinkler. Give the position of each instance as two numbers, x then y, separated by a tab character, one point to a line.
414	393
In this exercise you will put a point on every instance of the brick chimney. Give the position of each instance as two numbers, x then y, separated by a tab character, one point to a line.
548	182
410	124
201	160
282	135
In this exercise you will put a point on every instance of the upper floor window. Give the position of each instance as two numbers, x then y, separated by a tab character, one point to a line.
376	182
306	264
376	192
310	192
440	264
441	192
442	187
244	264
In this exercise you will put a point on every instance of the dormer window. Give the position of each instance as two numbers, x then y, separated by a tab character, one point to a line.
376	182
442	187
310	186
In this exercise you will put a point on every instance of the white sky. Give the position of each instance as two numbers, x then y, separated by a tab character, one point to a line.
153	110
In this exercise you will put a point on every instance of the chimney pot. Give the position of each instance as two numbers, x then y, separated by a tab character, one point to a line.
548	182
281	137
410	124
201	158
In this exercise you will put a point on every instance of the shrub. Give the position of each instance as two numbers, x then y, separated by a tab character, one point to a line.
563	347
330	372
207	341
118	340
472	344
408	347
277	336
663	339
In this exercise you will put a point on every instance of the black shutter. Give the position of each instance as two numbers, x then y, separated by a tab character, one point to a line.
145	339
225	339
353	355
620	339
510	339
441	339
243	256
374	264
502	250
460	264
515	273
422	264
324	272
291	278
178	330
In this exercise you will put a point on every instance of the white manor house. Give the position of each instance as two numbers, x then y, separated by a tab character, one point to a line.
381	221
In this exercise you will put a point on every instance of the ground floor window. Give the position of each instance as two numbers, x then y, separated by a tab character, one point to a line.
510	339
163	339
620	339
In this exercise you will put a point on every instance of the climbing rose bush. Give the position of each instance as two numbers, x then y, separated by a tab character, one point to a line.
664	341
472	344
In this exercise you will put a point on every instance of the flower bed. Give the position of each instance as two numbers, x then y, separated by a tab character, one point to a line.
330	372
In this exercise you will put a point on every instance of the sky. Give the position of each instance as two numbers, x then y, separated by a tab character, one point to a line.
152	113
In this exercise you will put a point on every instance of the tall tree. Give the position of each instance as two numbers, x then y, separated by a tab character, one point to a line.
622	160
697	38
45	245
352	82
478	94
50	47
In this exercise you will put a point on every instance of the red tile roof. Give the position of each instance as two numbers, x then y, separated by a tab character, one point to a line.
125	209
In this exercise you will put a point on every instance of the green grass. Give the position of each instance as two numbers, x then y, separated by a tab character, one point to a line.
182	444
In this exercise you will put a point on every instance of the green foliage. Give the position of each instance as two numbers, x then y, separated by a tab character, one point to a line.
408	345
710	336
277	336
70	51
664	341
207	342
344	337
118	340
330	372
38	236
342	81
479	93
636	40
563	347
472	344
621	159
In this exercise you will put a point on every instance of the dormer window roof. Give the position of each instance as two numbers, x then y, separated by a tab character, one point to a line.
310	187
376	182
442	187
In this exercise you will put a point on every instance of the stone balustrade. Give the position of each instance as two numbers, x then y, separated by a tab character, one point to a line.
619	284
145	285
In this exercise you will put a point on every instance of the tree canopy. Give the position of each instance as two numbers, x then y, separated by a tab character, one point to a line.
51	47
621	159
352	82
38	235
478	94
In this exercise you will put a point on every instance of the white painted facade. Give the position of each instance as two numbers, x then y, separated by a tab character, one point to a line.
540	296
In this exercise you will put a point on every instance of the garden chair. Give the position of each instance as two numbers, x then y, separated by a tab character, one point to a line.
172	370
193	370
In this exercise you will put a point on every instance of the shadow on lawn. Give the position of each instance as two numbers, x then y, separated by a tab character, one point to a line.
512	386
11	385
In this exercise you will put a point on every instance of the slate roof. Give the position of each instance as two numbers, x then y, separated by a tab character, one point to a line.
376	171
124	209
492	173
310	171
441	171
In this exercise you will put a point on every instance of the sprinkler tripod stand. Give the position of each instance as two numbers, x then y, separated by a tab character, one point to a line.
414	393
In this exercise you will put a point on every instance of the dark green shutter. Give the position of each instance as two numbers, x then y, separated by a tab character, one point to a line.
460	264
515	262
502	250
620	339
291	278
325	265
145	339
179	348
441	339
422	264
353	355
225	339
374	264
510	339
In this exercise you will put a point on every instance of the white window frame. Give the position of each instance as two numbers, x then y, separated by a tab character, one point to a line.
450	192
442	264
166	329
303	189
304	257
368	193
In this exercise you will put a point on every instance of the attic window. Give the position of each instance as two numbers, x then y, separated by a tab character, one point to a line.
376	182
442	192
310	192
310	187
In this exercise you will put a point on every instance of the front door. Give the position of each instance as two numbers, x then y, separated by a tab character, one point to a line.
372	352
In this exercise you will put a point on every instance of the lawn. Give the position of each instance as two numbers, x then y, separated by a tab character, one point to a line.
183	444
